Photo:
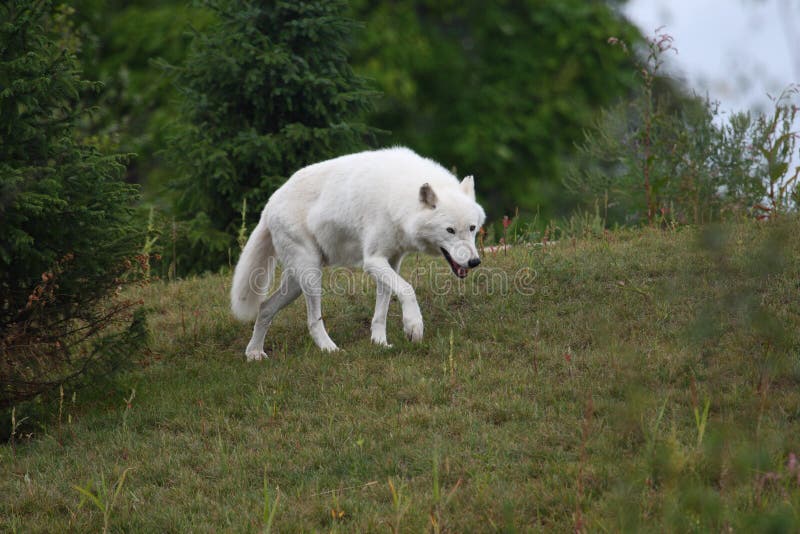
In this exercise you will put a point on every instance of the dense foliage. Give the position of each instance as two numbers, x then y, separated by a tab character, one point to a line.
498	90
501	90
66	230
265	90
121	44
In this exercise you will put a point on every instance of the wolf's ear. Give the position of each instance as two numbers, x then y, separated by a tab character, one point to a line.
427	196
468	186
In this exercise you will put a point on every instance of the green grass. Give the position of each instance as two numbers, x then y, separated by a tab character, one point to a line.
646	381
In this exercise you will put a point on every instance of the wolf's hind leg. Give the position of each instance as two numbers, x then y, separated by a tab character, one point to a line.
286	293
309	276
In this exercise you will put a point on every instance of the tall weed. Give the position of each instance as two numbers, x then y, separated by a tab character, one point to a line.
666	156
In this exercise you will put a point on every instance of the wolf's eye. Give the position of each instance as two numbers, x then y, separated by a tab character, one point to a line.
471	227
451	230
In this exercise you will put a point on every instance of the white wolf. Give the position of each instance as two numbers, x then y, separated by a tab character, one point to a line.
367	209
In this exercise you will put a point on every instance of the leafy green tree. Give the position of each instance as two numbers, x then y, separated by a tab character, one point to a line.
266	90
121	43
66	232
501	90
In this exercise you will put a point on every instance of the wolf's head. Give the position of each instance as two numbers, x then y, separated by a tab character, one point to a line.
448	223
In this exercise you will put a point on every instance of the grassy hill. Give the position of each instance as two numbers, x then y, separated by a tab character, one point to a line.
635	381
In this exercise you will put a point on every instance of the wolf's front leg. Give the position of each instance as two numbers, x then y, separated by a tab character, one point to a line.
379	318
382	300
390	282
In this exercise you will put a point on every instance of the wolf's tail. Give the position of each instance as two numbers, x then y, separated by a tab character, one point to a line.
254	273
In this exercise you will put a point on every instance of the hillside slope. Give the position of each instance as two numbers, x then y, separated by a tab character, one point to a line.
642	380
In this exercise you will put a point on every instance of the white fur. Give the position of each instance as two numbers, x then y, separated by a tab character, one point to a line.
364	210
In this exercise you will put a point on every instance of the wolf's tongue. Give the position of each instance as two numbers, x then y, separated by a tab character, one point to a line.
461	272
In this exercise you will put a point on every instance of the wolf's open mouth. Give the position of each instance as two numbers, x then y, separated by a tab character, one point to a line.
459	270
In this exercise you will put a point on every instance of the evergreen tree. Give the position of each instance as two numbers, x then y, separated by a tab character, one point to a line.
65	216
267	89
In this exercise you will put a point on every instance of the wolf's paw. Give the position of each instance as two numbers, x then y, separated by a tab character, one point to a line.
381	341
255	355
328	346
413	328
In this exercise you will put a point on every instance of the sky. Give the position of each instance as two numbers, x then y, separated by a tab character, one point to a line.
736	51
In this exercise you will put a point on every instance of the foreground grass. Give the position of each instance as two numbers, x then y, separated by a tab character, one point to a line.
630	382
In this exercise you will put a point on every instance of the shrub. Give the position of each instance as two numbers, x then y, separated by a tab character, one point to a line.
663	156
266	90
66	227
